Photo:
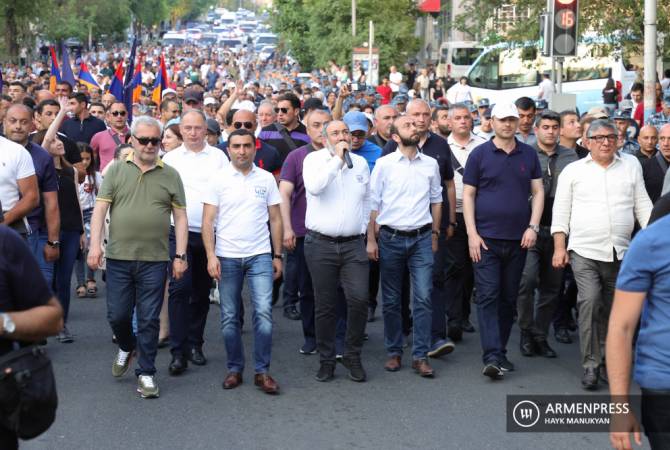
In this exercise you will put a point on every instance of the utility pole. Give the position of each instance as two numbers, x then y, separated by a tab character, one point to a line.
371	38
353	18
649	58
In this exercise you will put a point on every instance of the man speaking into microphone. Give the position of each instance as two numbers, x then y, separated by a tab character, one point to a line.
336	185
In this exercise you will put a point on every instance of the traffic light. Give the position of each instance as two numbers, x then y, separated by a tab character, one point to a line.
564	39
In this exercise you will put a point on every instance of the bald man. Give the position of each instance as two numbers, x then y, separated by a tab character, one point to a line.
662	159
648	139
43	94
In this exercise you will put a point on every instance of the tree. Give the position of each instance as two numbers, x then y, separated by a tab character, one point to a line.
317	31
620	22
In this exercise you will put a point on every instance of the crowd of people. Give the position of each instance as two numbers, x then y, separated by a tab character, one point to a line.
324	194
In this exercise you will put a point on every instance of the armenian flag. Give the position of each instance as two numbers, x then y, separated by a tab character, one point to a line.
54	77
136	83
116	87
66	70
128	82
86	78
160	83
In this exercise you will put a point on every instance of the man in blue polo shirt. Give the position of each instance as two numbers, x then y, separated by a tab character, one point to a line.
643	289
499	177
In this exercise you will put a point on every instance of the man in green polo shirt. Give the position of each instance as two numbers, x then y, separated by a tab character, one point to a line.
140	193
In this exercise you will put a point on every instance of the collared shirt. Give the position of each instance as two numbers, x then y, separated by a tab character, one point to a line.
486	135
370	151
195	170
552	166
242	202
267	157
140	208
461	154
82	130
15	164
338	198
274	137
402	190
503	182
597	206
104	144
47	181
529	139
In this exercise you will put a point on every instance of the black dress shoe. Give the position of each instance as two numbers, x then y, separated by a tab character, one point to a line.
356	371
292	313
543	349
326	372
197	357
467	326
590	378
602	374
371	313
527	344
178	365
455	334
562	335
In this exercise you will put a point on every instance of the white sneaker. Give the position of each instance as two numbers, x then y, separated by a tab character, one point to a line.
147	387
121	363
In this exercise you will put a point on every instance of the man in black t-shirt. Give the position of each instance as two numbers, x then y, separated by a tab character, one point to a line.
28	310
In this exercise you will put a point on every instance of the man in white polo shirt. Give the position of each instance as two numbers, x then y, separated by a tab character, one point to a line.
239	201
19	194
188	302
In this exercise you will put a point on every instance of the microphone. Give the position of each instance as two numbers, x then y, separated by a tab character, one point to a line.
347	159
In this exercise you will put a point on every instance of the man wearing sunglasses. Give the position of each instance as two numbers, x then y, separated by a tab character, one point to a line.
598	199
287	133
105	142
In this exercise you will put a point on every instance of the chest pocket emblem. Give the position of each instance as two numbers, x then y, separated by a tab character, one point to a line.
260	191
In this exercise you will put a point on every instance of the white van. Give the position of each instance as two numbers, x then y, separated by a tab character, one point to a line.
456	57
174	39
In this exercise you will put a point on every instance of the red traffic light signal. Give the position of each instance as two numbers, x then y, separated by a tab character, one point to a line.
565	14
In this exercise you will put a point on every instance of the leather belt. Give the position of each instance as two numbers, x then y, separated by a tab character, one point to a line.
333	239
408	233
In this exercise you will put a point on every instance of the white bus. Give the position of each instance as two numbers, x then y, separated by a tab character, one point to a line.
503	73
456	57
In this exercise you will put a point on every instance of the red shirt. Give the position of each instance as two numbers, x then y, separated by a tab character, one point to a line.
638	115
385	92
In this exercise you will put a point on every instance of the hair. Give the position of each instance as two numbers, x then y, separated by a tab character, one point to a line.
437	109
119	148
166	103
241	132
194	111
67	83
567	113
586	120
44	103
600	124
290	97
267	103
147	121
23	107
6	98
83	147
456	106
609	84
92	104
29	102
548	114
525	103
666	73
19	84
175	129
79	96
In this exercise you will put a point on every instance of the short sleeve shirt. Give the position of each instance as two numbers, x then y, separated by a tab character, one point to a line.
141	205
15	164
502	209
47	181
646	268
291	171
22	285
242	202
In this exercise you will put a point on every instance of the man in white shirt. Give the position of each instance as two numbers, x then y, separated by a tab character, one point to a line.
337	215
188	297
238	202
597	201
19	194
546	87
406	212
459	276
395	78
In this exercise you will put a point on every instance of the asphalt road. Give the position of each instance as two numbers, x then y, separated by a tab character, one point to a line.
459	408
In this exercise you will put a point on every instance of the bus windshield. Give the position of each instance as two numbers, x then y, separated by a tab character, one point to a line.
465	56
484	74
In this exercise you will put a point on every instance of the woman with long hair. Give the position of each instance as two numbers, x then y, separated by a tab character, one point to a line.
610	95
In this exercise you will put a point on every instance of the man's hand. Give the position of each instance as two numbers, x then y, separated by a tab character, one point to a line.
560	258
239	87
276	268
289	239
372	250
475	244
51	254
624	424
83	242
179	266
64	103
340	148
214	268
450	232
529	238
434	242
94	259
344	91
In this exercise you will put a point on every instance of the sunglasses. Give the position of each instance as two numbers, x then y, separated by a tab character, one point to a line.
118	113
283	110
247	125
147	140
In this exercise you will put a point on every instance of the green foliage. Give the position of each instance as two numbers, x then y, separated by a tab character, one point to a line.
317	31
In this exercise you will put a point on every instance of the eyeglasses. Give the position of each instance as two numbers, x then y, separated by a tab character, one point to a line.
247	125
118	113
148	140
283	110
601	139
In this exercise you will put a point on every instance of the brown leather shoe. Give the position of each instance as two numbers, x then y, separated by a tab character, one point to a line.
266	383
422	367
393	364
232	380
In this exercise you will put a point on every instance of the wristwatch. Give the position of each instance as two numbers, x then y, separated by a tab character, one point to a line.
535	228
53	244
8	325
277	257
436	233
182	257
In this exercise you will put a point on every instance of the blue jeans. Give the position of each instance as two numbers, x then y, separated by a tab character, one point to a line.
139	286
69	247
36	242
395	253
497	279
258	271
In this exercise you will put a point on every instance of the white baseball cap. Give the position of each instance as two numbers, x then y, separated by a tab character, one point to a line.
504	110
168	91
210	101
